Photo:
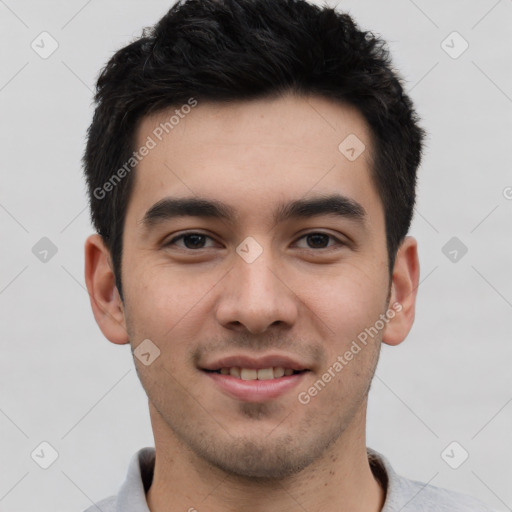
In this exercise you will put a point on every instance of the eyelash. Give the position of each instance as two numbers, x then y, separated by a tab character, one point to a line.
183	235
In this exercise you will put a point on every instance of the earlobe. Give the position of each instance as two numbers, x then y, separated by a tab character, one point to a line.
404	287
106	303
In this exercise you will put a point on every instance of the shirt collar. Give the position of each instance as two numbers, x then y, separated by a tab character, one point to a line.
132	495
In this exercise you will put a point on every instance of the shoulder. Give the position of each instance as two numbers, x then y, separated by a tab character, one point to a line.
105	505
132	493
419	496
406	495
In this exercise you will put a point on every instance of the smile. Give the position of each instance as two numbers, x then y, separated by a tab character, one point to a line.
256	374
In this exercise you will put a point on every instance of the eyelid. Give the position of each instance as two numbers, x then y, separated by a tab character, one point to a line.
339	241
180	236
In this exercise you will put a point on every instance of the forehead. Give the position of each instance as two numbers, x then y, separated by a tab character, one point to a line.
253	153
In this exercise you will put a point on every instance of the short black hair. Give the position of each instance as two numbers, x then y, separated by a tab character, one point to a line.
228	50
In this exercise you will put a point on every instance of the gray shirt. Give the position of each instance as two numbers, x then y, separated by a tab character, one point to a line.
402	494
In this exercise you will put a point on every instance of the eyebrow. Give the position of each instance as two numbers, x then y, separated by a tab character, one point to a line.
172	207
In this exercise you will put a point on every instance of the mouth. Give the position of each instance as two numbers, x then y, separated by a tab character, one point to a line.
256	374
255	380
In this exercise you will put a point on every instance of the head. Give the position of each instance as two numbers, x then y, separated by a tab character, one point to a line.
285	123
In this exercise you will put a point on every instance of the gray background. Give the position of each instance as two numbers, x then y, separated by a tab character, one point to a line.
62	382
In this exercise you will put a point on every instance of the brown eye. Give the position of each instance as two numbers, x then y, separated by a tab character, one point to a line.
190	241
319	241
194	241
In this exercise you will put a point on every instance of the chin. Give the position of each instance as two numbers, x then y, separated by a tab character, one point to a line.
268	457
245	459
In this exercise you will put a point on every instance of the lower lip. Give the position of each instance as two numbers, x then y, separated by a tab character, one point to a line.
255	390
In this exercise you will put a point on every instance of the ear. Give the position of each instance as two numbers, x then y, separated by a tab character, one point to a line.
106	303
404	286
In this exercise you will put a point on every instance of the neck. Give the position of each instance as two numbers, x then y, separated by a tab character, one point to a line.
341	480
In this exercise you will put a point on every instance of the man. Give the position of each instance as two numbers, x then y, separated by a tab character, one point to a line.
251	168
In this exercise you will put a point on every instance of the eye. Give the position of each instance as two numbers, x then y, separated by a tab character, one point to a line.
190	240
319	240
195	241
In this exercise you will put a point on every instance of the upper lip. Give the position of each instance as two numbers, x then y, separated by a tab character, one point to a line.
257	363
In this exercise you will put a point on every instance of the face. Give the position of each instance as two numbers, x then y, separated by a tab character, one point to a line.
283	272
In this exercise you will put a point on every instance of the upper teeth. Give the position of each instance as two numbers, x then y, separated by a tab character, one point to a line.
253	374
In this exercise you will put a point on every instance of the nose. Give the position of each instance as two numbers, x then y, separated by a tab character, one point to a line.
255	296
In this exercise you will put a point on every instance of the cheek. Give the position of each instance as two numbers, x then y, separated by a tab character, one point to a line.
166	304
348	300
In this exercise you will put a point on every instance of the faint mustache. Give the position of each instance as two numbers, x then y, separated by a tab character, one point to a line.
309	351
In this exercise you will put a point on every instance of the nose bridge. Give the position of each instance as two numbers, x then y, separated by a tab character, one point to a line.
253	294
258	283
